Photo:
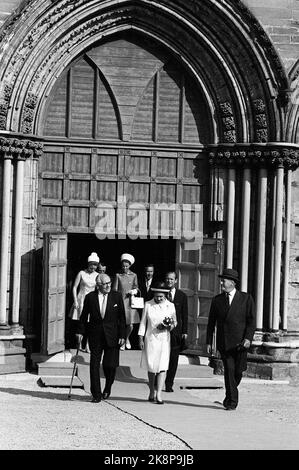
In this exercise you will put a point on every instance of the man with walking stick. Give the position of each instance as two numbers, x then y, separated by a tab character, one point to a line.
103	321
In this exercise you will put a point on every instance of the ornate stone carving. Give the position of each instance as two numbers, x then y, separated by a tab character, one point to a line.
253	156
28	113
19	148
5	94
262	135
89	20
228	122
260	120
230	136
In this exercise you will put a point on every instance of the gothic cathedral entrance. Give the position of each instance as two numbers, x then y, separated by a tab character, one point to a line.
122	127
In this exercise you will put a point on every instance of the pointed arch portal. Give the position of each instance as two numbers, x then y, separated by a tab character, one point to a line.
157	101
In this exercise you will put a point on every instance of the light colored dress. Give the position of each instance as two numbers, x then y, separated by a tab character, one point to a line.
87	284
156	352
123	283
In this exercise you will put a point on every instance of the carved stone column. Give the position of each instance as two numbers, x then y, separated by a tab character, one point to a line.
230	216
261	244
287	249
277	247
21	153
15	152
6	153
269	159
245	227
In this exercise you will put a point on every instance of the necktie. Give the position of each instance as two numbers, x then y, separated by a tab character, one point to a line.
147	285
227	299
170	296
103	305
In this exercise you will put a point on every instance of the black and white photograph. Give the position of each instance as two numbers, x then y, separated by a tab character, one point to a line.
149	228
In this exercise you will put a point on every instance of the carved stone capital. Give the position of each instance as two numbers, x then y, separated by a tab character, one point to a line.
19	149
254	156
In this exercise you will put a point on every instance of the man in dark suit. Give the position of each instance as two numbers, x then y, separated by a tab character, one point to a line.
179	333
233	314
146	281
103	321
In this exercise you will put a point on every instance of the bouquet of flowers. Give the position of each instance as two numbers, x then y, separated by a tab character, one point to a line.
166	324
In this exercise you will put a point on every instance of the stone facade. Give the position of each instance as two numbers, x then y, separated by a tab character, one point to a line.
260	114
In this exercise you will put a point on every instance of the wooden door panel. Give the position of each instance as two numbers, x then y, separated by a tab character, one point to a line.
54	292
198	277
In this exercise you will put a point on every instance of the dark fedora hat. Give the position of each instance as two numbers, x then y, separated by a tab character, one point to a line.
231	274
159	286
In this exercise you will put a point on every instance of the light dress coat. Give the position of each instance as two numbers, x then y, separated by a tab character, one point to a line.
87	284
156	352
124	283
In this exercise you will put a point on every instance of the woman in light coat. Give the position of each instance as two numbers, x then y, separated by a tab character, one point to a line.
126	283
158	319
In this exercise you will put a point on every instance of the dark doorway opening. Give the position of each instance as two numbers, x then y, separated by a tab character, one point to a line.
159	252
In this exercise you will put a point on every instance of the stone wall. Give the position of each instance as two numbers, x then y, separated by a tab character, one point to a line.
280	19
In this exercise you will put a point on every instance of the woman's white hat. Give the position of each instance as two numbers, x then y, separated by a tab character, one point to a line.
160	286
93	258
127	257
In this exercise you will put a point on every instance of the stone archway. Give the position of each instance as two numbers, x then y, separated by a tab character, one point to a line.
202	34
241	78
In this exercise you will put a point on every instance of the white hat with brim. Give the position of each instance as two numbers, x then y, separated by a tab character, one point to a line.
127	257
160	287
93	258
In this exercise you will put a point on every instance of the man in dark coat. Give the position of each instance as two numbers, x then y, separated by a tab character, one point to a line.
146	281
233	315
179	334
103	321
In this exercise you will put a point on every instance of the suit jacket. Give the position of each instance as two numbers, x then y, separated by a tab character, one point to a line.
181	309
147	295
234	323
113	324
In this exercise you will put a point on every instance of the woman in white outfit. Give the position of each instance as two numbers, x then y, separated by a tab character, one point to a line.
84	283
154	338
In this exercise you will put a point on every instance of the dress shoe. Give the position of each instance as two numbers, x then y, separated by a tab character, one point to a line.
159	402
95	400
106	395
151	398
230	408
123	347
168	389
128	344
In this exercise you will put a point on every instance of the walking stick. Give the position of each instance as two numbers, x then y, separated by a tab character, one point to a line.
74	368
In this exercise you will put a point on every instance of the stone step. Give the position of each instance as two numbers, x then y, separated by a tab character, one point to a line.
132	357
11	364
201	382
56	368
138	375
59	381
185	371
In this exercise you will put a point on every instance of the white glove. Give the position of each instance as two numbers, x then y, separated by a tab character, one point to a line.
133	292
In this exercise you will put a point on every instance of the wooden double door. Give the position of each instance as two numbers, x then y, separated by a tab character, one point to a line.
197	276
122	129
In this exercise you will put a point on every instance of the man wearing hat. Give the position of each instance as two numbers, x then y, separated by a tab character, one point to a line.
233	314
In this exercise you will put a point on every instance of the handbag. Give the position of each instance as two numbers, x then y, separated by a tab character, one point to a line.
137	302
73	313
